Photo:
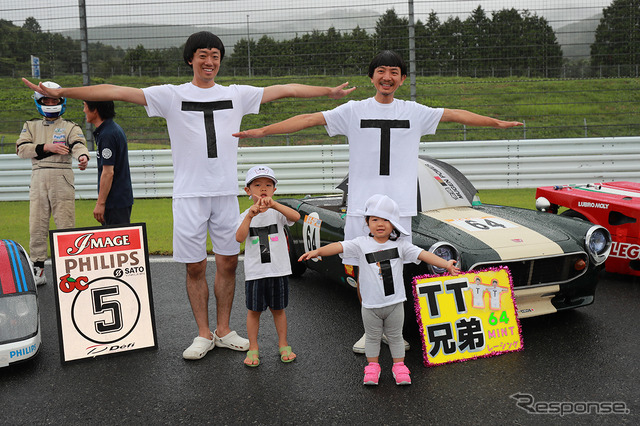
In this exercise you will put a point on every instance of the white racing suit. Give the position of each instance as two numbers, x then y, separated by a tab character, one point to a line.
52	189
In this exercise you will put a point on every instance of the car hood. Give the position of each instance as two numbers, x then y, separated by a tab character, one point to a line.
513	233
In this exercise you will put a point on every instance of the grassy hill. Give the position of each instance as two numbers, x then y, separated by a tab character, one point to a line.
550	108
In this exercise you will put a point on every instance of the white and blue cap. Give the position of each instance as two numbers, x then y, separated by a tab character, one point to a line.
382	206
260	171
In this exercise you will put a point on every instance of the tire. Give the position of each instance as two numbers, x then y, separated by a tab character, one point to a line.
297	268
573	213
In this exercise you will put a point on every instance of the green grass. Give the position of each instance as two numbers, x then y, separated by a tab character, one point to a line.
156	213
550	108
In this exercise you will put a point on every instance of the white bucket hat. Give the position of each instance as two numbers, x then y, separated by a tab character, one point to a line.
382	206
260	171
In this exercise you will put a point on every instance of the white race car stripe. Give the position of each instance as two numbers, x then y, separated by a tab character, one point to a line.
510	240
611	191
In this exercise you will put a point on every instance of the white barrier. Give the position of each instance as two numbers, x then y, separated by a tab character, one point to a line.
317	169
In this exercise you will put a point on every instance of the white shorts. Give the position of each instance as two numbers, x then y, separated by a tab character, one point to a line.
356	226
192	217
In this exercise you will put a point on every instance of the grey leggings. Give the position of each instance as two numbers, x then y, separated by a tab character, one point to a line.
388	320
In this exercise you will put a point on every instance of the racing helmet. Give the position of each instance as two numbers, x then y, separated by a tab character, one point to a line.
50	111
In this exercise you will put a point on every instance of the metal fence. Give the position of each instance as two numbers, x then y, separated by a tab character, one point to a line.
558	66
318	169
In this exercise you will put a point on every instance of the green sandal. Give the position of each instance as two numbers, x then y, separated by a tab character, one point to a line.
252	356
286	351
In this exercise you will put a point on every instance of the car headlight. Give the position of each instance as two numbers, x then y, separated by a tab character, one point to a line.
445	251
19	317
598	244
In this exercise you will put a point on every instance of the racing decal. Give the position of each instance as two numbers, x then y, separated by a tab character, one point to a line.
625	250
12	268
449	185
467	316
485	223
591	204
311	233
510	240
103	291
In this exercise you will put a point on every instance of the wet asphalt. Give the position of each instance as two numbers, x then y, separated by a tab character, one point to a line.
589	355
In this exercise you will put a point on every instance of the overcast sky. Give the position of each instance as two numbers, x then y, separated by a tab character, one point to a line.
63	14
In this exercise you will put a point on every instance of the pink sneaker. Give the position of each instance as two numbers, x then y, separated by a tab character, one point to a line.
401	373
372	373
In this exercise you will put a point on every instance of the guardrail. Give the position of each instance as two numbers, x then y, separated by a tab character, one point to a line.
318	169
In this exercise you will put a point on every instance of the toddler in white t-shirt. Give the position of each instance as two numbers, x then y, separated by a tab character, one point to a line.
266	260
381	256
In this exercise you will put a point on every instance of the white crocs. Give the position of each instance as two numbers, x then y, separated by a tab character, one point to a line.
199	348
358	347
231	341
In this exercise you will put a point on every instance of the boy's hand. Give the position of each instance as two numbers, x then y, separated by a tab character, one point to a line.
254	210
340	92
266	203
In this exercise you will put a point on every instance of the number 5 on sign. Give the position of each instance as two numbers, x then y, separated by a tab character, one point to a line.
311	232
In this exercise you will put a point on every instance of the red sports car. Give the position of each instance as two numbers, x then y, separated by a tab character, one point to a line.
614	205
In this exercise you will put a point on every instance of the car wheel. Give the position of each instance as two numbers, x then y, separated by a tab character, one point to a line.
573	213
297	268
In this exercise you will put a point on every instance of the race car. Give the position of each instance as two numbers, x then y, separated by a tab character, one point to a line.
614	205
554	261
19	314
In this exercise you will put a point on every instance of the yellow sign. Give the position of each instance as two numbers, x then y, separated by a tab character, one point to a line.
466	316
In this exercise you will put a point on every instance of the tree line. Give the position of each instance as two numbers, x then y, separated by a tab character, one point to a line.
506	43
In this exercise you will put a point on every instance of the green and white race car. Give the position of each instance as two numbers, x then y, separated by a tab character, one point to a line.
554	261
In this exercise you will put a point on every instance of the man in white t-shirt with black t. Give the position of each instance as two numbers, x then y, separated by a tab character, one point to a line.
385	132
201	117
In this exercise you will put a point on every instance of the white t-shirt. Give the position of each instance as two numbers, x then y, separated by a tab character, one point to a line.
269	257
200	123
383	148
374	258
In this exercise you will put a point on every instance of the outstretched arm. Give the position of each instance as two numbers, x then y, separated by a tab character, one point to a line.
289	125
435	260
293	90
472	119
100	92
328	250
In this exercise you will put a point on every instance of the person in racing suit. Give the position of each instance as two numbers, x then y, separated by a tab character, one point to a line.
50	143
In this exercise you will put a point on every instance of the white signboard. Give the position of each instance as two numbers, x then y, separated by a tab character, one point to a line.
103	291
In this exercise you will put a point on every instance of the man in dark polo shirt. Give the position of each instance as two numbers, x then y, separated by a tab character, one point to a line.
115	195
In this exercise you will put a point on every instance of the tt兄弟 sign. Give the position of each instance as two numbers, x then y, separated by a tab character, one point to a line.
467	316
103	291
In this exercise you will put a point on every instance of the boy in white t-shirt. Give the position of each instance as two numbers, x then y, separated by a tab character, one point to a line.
201	116
266	260
384	136
382	254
